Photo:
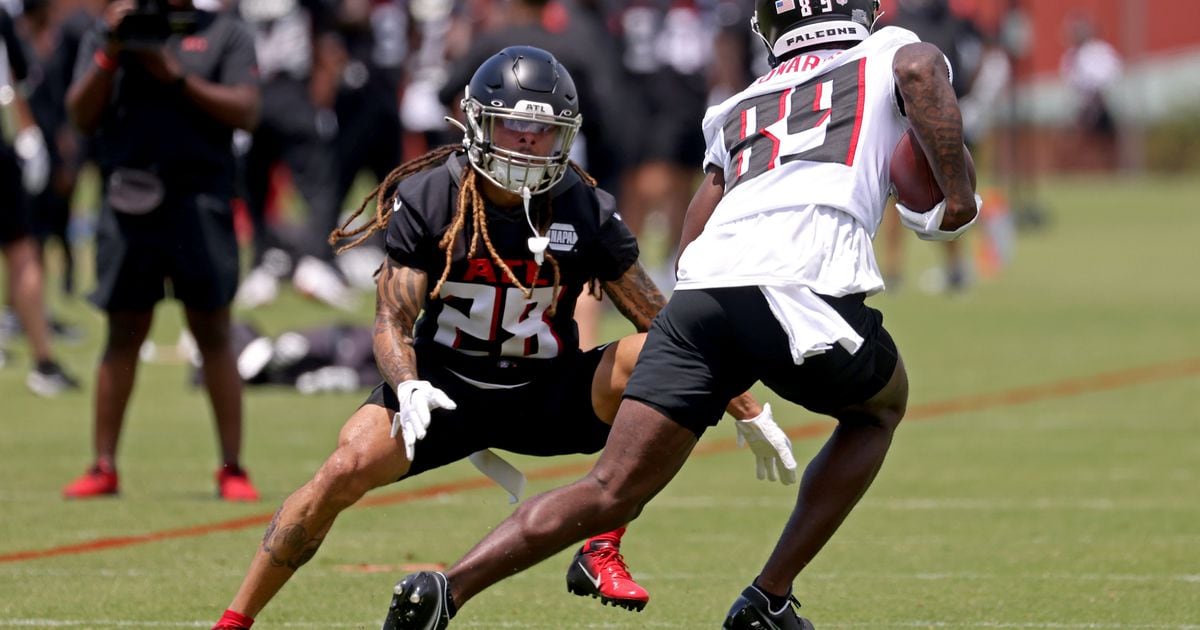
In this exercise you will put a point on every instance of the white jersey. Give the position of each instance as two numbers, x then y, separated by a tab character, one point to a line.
805	150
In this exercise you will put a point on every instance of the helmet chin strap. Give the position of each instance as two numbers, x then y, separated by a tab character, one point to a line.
537	243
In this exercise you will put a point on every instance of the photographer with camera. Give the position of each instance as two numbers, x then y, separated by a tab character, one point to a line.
161	87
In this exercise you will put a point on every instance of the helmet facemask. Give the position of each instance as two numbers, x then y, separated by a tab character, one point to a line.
511	168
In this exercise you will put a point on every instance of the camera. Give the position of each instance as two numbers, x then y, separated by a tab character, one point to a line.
151	22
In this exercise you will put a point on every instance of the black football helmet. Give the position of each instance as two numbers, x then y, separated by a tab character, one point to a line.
525	89
786	26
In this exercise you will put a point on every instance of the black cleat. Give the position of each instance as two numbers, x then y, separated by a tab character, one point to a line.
49	380
752	611
421	601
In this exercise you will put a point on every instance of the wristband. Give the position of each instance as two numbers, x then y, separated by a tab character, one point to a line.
104	62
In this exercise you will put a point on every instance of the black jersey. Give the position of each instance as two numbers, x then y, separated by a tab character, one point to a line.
494	333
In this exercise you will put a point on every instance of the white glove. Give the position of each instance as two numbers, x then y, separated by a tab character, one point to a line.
417	400
770	446
928	225
35	159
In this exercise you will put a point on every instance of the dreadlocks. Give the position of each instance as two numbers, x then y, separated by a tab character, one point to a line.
468	198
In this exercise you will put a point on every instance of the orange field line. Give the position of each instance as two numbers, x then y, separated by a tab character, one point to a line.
1018	396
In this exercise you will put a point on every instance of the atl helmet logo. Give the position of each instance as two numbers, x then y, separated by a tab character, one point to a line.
534	107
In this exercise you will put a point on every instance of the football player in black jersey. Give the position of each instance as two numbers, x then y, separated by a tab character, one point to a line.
494	241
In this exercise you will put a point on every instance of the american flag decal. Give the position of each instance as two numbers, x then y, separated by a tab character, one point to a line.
784	5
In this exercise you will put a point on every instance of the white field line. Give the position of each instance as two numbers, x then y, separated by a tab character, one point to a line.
990	625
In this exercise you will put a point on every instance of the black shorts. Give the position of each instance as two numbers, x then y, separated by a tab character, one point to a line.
710	345
552	415
14	204
189	242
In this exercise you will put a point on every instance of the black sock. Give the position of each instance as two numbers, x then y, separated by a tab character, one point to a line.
776	602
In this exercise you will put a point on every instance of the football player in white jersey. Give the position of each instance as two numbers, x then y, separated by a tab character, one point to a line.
772	283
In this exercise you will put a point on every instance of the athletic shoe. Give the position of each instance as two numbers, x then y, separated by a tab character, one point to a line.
49	380
752	611
99	480
233	484
598	570
421	601
319	280
359	265
259	287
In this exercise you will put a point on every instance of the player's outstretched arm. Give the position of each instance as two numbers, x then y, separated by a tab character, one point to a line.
923	81
636	296
400	296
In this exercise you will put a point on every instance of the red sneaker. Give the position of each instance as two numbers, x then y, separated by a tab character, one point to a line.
233	484
599	570
100	480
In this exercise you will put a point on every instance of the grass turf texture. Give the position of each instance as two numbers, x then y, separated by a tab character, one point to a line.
1075	510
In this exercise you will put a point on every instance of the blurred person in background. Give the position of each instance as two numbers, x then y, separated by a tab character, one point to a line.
1090	67
961	42
300	59
666	50
421	112
161	101
375	34
53	31
24	171
488	251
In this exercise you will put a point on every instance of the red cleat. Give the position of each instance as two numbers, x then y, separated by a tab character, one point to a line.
233	484
598	570
99	481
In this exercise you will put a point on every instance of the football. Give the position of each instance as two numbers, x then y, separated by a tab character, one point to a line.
912	179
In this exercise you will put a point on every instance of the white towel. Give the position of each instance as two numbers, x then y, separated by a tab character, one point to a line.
811	324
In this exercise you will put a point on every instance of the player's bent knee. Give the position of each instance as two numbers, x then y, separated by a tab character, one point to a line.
340	482
620	503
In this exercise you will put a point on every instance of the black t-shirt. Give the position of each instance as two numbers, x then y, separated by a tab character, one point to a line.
49	80
147	125
494	333
378	49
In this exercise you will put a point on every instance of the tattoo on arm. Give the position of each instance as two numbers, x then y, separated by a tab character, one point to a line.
399	300
932	109
289	545
636	296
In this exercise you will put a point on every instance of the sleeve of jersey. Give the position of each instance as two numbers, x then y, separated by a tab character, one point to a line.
618	249
239	65
409	241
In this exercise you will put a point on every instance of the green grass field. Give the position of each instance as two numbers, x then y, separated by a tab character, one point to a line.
1059	491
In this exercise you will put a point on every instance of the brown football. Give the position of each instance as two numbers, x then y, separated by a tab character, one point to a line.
912	179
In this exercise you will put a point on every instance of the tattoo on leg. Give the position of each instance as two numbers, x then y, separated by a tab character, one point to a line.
289	546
